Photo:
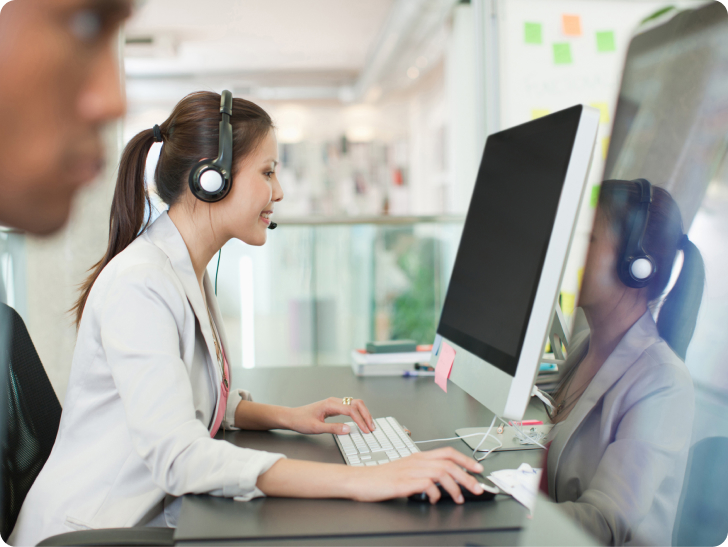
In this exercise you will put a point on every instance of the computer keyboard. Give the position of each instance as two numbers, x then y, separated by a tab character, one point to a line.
387	443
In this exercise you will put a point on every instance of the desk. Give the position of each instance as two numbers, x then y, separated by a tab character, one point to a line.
419	405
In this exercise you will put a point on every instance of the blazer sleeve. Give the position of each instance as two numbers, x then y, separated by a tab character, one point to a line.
649	446
140	324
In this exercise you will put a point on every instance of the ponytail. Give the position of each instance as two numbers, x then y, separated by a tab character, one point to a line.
128	210
679	312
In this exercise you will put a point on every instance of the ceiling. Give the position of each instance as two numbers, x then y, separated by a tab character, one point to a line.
223	36
341	50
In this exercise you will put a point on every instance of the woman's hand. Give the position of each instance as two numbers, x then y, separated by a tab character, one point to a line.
418	473
310	418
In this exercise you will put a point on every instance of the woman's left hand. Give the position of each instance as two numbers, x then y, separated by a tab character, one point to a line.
310	418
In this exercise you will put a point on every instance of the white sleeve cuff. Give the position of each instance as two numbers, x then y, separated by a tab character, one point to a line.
264	461
236	395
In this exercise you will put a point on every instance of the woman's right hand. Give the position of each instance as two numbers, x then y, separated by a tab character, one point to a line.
418	473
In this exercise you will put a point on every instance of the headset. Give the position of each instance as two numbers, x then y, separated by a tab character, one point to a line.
211	180
637	268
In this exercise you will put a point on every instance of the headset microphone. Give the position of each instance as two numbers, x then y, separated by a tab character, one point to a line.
272	226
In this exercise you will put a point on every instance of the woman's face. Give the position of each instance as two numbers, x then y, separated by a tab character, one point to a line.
246	212
601	282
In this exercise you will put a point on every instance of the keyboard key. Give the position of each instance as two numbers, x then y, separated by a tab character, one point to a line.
371	463
366	457
404	452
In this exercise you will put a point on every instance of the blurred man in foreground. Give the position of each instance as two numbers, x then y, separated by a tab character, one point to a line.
60	84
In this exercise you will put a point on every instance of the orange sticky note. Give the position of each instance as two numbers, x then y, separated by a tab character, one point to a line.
444	365
571	25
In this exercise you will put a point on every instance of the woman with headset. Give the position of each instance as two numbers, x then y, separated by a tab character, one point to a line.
150	379
623	412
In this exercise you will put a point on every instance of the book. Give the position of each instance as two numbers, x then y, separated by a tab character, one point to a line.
414	363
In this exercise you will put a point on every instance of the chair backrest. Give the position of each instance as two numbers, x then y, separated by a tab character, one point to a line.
32	414
702	517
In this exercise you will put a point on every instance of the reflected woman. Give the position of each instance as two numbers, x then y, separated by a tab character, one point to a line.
624	409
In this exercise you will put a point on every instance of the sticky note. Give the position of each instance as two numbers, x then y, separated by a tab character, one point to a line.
571	25
605	41
594	197
605	147
444	365
562	53
603	111
537	113
580	277
568	301
532	33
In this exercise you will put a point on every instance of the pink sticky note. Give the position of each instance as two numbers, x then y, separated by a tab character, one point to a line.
444	365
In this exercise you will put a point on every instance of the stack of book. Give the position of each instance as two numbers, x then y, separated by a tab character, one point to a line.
403	358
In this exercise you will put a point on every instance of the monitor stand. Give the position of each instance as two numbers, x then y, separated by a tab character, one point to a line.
508	437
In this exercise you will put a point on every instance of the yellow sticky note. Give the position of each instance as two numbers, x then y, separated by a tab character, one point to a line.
605	147
568	301
539	113
571	25
603	111
580	277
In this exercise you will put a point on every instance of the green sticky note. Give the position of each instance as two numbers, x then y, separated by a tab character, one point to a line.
562	53
605	41
532	33
594	198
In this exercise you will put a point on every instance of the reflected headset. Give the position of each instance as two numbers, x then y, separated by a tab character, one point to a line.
211	180
637	268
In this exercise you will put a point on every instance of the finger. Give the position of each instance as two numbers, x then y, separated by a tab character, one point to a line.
364	411
433	493
453	455
452	488
353	413
335	428
468	481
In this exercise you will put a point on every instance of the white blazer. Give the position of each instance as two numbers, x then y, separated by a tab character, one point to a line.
141	401
617	463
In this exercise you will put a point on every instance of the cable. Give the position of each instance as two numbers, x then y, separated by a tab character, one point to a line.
219	254
484	435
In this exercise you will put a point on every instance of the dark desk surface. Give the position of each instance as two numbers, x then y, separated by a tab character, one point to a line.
419	405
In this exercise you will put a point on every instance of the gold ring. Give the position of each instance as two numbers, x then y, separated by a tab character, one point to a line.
347	400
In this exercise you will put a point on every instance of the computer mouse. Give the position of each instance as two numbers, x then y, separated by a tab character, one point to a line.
489	493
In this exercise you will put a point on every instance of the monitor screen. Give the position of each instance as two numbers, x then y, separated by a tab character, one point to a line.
506	234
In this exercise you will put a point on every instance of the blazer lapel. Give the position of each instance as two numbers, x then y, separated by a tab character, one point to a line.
164	234
636	340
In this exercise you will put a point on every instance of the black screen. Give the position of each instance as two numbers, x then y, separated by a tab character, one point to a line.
505	237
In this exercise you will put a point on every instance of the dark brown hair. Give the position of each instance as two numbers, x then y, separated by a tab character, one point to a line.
190	134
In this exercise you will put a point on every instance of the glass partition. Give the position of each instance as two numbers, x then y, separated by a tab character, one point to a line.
320	288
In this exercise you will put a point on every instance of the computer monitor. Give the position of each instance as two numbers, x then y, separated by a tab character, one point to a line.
511	257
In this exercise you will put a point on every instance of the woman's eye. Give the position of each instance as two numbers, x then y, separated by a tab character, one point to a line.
269	174
86	25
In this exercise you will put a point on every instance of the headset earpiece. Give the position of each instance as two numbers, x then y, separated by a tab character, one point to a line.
210	180
637	268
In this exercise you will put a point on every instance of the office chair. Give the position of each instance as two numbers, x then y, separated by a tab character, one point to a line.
702	516
31	415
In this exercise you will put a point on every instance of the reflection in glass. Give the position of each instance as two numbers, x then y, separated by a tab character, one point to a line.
625	405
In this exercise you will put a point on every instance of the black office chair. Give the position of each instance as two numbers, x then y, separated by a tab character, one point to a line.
702	517
30	426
